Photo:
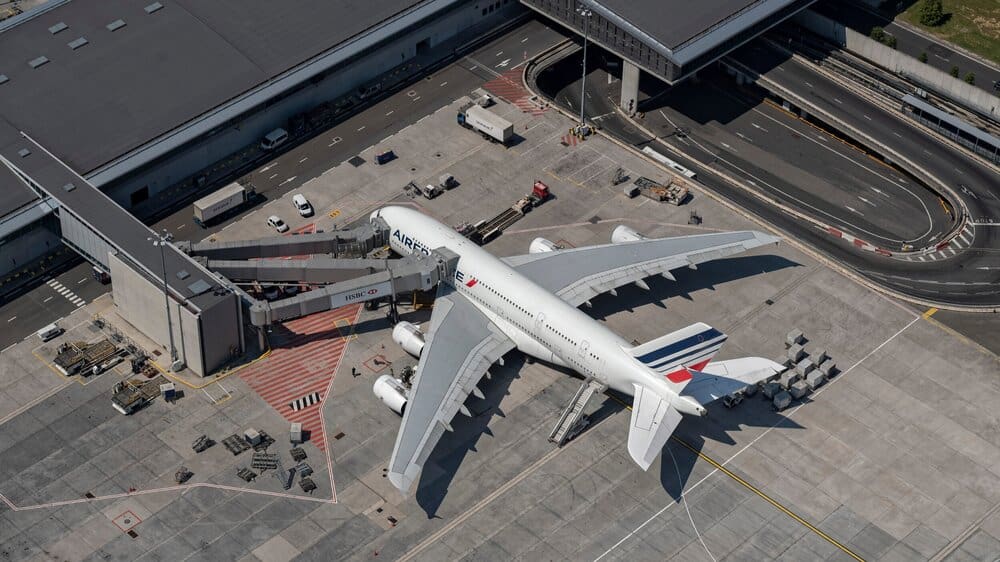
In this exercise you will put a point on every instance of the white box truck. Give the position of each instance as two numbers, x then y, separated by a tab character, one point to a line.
216	206
487	123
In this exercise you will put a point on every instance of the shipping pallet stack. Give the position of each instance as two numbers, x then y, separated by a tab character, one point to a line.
805	371
235	444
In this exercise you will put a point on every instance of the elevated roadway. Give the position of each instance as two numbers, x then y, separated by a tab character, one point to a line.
962	274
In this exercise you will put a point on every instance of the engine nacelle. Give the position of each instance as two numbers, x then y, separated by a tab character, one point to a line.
539	245
409	337
623	233
391	392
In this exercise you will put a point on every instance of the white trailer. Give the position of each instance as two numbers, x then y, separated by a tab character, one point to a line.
489	124
212	207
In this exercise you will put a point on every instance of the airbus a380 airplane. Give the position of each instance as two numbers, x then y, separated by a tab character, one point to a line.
529	302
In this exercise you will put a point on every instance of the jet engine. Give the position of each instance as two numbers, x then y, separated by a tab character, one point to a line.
409	337
539	245
392	393
624	233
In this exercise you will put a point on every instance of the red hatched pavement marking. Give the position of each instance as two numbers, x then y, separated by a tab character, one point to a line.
509	87
304	358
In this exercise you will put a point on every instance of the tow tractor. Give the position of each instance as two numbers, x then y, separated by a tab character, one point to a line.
488	229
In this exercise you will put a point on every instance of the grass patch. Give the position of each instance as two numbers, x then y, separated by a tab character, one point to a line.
972	24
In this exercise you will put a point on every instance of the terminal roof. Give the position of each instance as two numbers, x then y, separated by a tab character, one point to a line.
674	22
126	85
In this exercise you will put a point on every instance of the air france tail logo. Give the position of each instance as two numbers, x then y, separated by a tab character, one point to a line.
410	243
460	278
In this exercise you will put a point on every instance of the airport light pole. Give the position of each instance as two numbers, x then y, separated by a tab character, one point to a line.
160	240
586	13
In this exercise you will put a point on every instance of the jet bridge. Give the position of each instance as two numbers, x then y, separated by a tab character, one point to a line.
412	273
337	264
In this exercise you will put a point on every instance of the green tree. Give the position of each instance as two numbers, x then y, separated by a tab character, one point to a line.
890	41
970	78
877	34
954	71
932	13
923	57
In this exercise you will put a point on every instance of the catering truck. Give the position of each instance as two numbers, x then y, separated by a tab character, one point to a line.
487	123
223	203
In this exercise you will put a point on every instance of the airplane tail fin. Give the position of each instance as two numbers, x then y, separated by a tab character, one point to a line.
653	421
678	353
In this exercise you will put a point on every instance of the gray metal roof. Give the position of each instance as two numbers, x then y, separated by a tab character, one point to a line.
95	209
162	69
672	22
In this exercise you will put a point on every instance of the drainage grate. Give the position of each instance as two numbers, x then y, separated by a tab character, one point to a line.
356	161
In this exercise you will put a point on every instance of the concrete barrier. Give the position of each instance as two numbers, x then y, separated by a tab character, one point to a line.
929	77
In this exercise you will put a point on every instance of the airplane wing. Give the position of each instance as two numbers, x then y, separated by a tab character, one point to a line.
579	274
460	346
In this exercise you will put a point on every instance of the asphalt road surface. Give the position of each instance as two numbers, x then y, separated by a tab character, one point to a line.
47	302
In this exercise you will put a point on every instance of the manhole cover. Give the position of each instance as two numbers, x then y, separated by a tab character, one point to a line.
126	521
437	155
356	161
413	169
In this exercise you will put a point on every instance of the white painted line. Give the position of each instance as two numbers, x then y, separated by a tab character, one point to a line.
48	299
897	134
81	304
866	117
756	126
84	280
744	137
416	98
822	138
181	226
524	40
362	128
853	210
273	176
689	489
51	282
8	347
64	291
289	180
391	111
303	159
443	84
11	319
921	258
503	63
498	54
838	101
266	168
808	84
474	67
867	201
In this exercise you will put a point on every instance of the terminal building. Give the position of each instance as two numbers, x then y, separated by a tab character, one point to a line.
112	110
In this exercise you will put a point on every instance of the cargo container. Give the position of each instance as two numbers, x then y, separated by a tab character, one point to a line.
223	203
487	123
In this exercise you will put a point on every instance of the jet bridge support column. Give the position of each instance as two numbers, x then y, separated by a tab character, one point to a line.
630	87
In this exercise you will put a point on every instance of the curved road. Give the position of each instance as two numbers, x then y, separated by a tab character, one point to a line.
966	273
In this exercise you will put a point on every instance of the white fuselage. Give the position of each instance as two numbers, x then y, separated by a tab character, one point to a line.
540	323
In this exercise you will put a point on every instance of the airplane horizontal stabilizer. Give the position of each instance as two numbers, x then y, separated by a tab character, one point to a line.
720	378
653	421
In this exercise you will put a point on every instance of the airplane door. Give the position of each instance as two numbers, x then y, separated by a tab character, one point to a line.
585	357
545	334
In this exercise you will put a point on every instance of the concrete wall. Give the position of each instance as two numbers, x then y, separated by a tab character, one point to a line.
904	65
445	33
221	327
140	302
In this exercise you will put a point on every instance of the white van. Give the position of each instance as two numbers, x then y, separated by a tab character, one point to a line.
49	332
274	139
302	205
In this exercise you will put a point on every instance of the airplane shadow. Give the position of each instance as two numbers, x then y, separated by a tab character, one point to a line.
707	276
444	461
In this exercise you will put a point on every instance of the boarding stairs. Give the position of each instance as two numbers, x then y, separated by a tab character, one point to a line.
567	426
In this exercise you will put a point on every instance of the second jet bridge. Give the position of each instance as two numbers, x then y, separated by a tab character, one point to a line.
333	262
412	273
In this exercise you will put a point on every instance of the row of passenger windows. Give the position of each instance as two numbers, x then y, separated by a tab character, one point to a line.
528	314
